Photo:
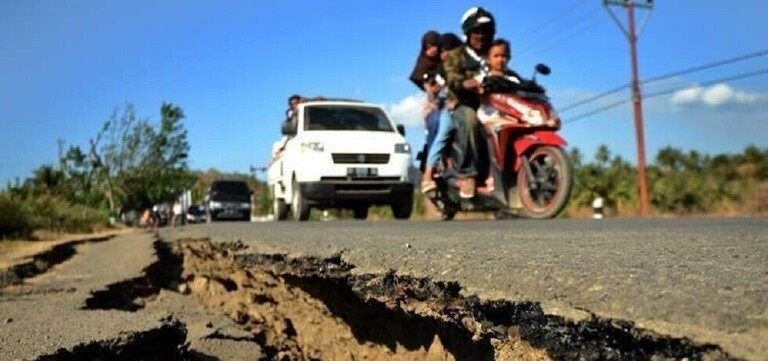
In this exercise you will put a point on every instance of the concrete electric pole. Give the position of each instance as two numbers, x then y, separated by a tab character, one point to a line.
637	99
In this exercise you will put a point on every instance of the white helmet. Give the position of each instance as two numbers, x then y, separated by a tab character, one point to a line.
477	17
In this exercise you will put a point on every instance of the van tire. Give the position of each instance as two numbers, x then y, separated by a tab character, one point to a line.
403	209
299	206
360	212
279	208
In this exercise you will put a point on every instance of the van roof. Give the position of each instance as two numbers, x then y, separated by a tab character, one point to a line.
348	100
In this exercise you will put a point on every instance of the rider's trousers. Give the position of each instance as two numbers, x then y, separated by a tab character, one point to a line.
465	141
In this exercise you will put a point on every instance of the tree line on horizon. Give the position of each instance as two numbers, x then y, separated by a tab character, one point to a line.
132	164
679	182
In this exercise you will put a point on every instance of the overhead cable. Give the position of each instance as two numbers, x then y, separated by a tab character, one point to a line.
667	76
552	19
669	91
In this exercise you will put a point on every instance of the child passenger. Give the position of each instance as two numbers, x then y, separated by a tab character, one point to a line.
496	63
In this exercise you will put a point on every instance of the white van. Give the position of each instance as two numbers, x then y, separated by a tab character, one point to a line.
340	154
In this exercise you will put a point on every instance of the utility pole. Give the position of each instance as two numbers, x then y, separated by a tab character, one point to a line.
637	99
255	171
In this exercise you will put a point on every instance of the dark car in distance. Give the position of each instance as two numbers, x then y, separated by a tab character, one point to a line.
228	199
196	214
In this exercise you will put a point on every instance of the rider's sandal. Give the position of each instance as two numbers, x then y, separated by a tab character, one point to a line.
487	188
428	186
467	188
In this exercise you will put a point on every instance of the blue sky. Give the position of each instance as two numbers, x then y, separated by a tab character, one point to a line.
66	65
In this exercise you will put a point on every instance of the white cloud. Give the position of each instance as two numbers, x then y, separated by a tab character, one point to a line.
687	96
407	111
716	96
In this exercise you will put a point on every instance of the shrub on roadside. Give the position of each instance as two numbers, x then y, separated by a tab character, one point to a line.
15	217
21	216
52	213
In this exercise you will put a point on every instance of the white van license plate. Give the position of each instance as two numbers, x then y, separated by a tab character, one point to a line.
362	172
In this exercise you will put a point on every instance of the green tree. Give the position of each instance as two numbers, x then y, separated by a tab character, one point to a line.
134	165
162	173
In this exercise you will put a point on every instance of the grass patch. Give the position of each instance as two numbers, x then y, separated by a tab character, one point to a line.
21	217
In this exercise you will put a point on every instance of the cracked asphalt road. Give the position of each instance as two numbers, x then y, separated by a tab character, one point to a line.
44	315
706	279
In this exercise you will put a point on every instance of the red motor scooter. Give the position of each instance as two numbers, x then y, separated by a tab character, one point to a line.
526	171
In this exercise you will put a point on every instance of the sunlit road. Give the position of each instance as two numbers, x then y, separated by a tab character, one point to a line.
702	278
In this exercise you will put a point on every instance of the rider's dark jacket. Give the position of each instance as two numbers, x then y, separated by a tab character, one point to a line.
459	66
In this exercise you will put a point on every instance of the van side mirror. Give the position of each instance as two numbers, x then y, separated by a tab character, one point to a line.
288	128
401	129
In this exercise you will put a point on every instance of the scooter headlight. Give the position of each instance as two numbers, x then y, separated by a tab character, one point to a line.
533	117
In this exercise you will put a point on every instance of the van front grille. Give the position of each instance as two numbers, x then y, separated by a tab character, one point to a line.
360	158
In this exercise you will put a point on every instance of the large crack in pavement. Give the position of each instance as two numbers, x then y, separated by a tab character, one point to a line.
165	343
309	308
129	295
44	261
316	309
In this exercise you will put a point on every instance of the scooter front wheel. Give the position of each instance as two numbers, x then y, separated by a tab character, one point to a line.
545	191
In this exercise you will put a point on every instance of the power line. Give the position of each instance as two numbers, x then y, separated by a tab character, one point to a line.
596	97
560	34
559	31
597	111
666	76
669	91
706	66
552	19
711	82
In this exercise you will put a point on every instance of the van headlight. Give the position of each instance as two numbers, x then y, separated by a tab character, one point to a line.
312	146
403	148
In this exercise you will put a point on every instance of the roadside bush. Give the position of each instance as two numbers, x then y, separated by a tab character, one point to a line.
52	213
21	216
15	217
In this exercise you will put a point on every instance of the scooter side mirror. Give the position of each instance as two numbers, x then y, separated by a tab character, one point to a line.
543	69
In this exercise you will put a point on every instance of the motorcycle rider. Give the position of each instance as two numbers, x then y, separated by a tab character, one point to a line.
461	67
433	84
428	61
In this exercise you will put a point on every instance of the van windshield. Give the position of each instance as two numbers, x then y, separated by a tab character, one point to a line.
345	117
230	187
230	191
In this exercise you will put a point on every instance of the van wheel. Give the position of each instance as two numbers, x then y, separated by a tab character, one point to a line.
279	208
402	210
360	212
299	207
